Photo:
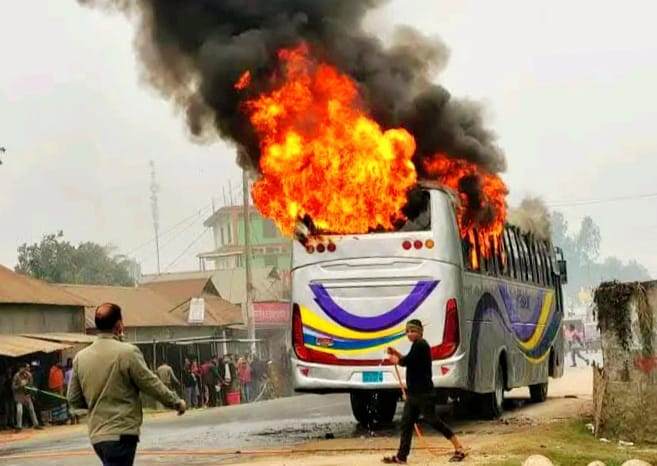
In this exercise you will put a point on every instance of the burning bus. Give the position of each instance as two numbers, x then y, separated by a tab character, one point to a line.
342	129
492	313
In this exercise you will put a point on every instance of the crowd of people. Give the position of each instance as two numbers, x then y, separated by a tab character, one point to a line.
29	390
26	390
219	381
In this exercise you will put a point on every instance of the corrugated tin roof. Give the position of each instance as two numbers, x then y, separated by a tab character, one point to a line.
218	312
142	307
76	338
15	346
20	289
181	290
231	285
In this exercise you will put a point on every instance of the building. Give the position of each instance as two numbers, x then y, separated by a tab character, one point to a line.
168	322
268	247
39	323
28	305
153	315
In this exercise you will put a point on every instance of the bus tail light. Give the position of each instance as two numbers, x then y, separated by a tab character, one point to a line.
310	249
320	248
331	247
407	245
417	244
451	337
297	334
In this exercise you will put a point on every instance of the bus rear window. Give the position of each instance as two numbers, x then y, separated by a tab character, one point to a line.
417	212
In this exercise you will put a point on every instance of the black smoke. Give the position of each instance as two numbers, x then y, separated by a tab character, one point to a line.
193	51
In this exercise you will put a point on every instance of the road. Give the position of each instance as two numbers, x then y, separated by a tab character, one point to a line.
282	427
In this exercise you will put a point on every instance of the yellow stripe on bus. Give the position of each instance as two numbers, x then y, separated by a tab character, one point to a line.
342	352
540	325
310	319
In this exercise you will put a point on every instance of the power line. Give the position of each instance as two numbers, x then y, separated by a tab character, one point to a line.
170	229
205	230
584	202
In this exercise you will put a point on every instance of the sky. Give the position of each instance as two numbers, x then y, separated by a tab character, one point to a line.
567	86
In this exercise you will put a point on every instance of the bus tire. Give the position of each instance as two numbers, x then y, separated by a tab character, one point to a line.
538	392
491	405
374	408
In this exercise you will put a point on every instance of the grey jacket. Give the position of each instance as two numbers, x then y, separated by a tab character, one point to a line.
107	378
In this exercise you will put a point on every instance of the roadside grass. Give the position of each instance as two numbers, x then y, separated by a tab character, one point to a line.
569	444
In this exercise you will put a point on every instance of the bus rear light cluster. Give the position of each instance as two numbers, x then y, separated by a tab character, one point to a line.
451	336
320	248
417	244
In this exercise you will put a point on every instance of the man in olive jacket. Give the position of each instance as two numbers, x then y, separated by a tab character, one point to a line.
107	379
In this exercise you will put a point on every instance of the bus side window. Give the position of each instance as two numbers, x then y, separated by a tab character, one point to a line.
501	255
524	256
522	272
548	263
515	256
470	254
510	272
539	262
530	260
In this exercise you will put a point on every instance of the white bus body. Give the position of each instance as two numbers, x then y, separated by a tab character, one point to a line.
488	332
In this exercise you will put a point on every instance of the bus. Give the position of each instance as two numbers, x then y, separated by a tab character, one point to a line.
494	322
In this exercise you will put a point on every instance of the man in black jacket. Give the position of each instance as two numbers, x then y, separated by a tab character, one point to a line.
420	399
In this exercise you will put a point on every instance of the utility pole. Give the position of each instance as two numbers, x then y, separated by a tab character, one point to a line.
247	261
155	210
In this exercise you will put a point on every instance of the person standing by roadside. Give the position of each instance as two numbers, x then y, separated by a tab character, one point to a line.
108	377
419	395
68	374
244	375
56	379
189	384
6	399
20	383
196	372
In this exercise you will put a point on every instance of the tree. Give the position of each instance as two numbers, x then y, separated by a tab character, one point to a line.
582	251
58	261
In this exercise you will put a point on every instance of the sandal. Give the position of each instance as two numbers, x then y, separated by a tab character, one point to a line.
458	456
392	460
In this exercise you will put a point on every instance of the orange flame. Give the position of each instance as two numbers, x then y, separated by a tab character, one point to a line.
454	173
323	156
244	81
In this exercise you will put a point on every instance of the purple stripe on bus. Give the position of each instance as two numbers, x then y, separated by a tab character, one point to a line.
392	317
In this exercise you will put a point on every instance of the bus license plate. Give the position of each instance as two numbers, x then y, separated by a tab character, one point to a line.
372	377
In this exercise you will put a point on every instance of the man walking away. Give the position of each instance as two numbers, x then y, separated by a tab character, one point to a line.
420	395
21	381
108	377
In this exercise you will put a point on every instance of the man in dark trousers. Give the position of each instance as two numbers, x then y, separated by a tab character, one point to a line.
108	377
420	397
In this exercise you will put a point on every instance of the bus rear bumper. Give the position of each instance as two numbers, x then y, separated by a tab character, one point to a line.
323	378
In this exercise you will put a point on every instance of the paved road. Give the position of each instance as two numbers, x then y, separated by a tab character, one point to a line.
215	434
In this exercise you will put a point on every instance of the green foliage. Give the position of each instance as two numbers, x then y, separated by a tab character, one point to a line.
55	260
582	251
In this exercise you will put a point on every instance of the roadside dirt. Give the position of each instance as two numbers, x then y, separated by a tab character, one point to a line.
569	398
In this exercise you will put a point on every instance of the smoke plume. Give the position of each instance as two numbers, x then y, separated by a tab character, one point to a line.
531	216
193	52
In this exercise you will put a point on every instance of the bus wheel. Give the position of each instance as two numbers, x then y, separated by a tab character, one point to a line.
491	404
374	408
538	393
